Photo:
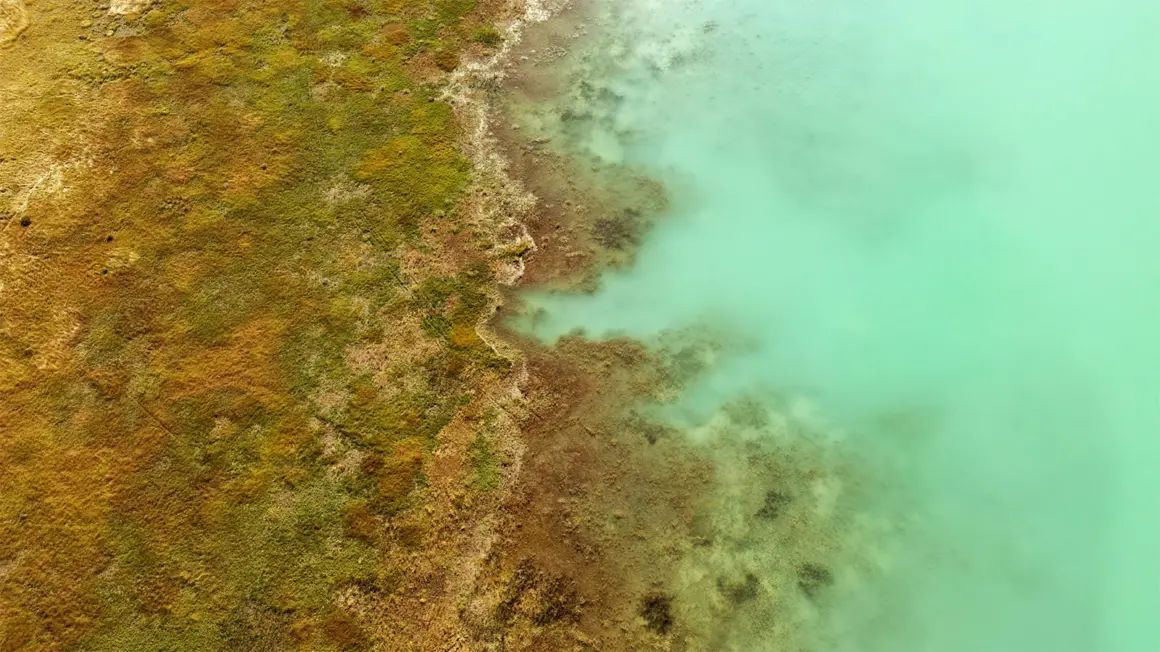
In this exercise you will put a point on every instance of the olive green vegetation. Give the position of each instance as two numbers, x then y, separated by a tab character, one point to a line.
196	454
485	463
488	36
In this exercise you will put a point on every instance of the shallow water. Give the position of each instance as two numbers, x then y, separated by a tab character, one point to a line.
938	222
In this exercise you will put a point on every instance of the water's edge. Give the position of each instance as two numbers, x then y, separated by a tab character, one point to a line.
936	202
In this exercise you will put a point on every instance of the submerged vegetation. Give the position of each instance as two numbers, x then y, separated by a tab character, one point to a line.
235	317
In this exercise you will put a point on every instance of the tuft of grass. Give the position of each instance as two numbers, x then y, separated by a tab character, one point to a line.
488	36
453	11
484	464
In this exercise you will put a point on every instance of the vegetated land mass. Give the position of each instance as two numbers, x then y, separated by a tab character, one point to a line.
238	303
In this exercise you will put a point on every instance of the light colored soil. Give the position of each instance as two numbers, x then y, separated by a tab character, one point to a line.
13	20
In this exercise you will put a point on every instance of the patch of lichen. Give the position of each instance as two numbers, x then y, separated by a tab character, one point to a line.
239	181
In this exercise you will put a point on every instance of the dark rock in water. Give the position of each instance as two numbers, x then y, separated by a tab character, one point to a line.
657	610
813	577
619	232
739	592
652	431
775	504
747	412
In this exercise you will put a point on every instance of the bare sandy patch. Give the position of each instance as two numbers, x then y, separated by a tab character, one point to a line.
125	7
13	20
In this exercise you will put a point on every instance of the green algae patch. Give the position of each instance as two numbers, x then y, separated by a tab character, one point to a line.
215	432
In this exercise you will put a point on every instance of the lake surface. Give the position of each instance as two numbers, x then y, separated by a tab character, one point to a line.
939	224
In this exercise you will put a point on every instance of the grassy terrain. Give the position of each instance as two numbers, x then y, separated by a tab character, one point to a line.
235	315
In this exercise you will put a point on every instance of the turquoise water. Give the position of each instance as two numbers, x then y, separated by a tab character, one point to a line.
943	215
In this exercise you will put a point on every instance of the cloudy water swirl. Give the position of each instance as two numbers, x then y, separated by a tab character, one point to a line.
938	225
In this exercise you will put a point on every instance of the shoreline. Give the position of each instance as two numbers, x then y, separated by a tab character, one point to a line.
571	602
627	530
556	577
